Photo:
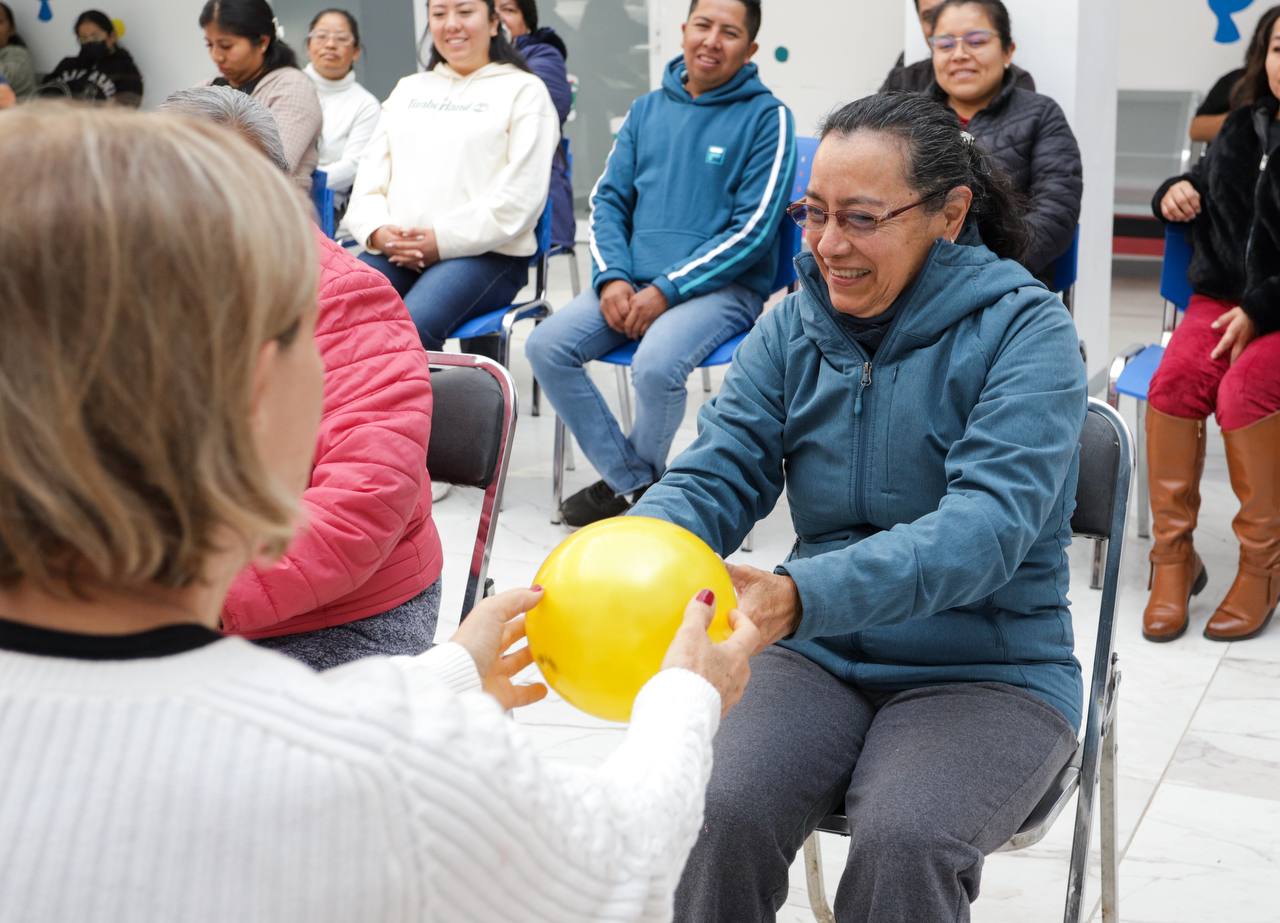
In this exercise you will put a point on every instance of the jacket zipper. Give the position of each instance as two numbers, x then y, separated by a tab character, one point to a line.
863	386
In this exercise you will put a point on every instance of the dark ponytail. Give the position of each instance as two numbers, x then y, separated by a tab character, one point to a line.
14	39
501	51
254	20
940	158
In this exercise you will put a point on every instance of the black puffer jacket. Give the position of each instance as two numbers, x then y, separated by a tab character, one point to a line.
1236	238
1028	135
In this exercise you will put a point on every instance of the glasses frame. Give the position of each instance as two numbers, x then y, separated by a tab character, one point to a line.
843	220
341	39
963	39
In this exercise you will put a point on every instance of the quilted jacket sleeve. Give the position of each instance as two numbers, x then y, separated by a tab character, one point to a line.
1056	187
370	465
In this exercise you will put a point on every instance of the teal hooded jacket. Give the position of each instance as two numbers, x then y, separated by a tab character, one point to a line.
693	191
931	488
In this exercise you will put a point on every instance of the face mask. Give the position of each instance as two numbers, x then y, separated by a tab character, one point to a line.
93	52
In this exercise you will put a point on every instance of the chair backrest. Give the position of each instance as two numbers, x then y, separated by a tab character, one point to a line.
790	238
542	232
1064	269
322	199
1175	287
473	422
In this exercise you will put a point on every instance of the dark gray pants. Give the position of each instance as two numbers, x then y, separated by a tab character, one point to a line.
407	629
932	780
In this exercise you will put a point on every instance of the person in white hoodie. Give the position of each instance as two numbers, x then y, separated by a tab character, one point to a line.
350	111
449	190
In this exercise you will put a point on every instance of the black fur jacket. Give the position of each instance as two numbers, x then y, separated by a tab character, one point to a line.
1236	237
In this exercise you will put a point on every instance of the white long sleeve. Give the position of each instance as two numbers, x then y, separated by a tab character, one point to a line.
469	157
231	783
350	116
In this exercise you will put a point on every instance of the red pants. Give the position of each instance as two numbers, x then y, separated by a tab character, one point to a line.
1189	384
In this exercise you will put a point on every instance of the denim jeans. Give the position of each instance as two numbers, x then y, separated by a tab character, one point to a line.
445	295
677	341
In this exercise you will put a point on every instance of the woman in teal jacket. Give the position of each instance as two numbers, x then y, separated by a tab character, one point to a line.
920	399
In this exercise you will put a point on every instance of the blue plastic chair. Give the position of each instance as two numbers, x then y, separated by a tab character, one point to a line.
499	321
322	199
1063	272
1132	370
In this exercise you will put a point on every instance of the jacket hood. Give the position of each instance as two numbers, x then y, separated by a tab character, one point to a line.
745	84
544	36
957	279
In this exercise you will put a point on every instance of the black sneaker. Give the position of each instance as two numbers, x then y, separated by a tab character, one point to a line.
591	504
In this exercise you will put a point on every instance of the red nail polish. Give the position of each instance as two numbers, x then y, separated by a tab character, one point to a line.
706	597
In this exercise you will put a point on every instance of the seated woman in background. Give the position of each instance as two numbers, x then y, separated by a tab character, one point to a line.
1224	357
16	66
926	680
545	53
1025	132
101	72
156	432
450	189
242	39
1231	91
362	575
350	111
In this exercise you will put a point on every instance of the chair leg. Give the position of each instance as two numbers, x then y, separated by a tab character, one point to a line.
1107	794
624	398
1099	563
749	543
557	470
1140	461
813	875
706	380
575	283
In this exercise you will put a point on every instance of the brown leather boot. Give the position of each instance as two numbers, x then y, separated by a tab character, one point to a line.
1175	461
1253	458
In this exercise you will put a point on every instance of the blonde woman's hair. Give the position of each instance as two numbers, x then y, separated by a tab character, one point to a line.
144	262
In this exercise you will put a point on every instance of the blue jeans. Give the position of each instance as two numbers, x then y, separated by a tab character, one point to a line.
679	339
451	292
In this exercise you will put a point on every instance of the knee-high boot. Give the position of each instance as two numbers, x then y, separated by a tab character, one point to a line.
1175	461
1253	459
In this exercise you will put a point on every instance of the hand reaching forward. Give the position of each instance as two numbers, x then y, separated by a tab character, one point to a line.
723	665
772	600
492	627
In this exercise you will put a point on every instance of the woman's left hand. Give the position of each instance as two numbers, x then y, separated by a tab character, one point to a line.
1240	332
416	248
770	600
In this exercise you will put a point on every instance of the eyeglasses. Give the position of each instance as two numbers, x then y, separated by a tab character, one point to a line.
812	218
978	38
341	39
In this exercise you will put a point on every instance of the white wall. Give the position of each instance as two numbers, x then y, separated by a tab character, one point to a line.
1168	44
164	39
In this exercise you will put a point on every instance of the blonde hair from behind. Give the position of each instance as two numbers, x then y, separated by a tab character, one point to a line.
145	260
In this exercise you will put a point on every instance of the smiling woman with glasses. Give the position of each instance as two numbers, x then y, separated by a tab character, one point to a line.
919	400
350	111
1025	132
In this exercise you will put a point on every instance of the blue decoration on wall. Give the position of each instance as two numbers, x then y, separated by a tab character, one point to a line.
46	12
1223	9
781	54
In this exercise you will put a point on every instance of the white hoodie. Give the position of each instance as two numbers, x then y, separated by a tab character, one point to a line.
469	157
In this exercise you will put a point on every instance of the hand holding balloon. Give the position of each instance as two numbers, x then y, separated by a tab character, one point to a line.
492	627
723	665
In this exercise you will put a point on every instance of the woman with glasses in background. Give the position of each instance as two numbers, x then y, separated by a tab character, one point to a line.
350	111
920	400
102	72
1025	132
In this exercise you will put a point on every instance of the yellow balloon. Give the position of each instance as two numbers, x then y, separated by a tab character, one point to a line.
615	594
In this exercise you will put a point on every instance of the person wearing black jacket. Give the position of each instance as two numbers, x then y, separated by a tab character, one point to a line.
1026	133
917	77
102	71
1224	358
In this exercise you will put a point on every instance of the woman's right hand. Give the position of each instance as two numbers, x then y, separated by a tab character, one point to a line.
1181	203
723	665
488	634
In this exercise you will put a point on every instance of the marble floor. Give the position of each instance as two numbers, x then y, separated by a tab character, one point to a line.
1199	722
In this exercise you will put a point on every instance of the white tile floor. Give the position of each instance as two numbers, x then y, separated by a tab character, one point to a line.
1199	788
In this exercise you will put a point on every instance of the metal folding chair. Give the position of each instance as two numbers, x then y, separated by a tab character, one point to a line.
1102	499
473	423
498	322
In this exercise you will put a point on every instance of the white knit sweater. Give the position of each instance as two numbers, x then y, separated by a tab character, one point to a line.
230	784
350	116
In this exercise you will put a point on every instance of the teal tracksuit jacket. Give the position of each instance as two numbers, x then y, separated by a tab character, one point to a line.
694	189
931	488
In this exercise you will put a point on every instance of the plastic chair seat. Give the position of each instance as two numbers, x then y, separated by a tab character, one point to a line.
491	322
1135	380
721	355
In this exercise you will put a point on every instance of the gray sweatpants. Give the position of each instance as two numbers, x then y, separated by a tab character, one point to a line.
407	629
932	780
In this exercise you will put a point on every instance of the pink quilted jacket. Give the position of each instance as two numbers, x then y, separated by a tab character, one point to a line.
369	542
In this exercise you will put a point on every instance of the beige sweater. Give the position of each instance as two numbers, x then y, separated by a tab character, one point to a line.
292	99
